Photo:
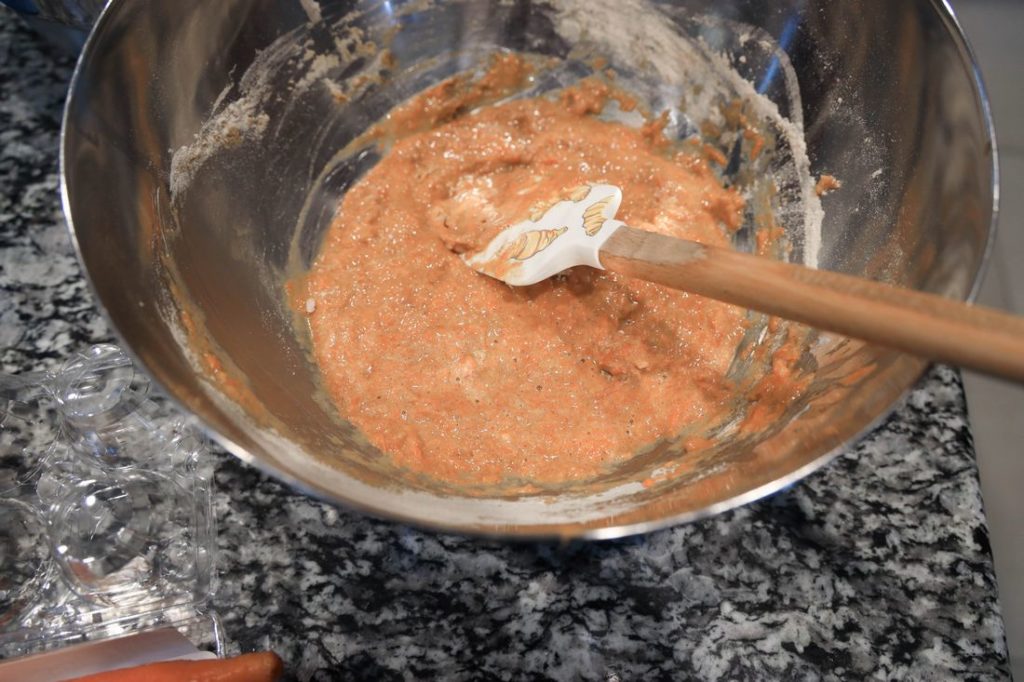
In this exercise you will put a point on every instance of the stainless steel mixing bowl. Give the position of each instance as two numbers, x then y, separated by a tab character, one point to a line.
187	251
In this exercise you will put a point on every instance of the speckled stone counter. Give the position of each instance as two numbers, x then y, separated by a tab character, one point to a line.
877	566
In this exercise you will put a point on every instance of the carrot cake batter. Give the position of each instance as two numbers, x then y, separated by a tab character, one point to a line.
459	377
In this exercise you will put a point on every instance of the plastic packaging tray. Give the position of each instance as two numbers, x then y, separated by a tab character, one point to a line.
106	525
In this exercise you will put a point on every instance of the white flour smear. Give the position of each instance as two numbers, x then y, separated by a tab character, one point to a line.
286	68
312	9
240	121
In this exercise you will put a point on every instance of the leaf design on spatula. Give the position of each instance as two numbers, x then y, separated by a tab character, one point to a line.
593	217
529	244
579	194
576	194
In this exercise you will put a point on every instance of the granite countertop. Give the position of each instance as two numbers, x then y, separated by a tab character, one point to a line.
879	565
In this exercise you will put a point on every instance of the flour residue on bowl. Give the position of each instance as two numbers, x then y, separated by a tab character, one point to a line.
663	55
240	122
289	67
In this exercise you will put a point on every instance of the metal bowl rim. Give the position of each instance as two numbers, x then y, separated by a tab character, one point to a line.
528	533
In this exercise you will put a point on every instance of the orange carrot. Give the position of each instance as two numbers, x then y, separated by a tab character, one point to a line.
264	666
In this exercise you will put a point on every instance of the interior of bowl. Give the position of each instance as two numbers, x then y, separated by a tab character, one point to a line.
202	163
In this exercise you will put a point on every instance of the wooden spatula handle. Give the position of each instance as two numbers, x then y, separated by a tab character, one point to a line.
921	324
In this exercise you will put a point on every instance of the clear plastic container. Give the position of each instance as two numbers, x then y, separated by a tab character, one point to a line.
106	525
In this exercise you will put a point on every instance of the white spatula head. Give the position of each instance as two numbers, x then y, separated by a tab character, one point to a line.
568	234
